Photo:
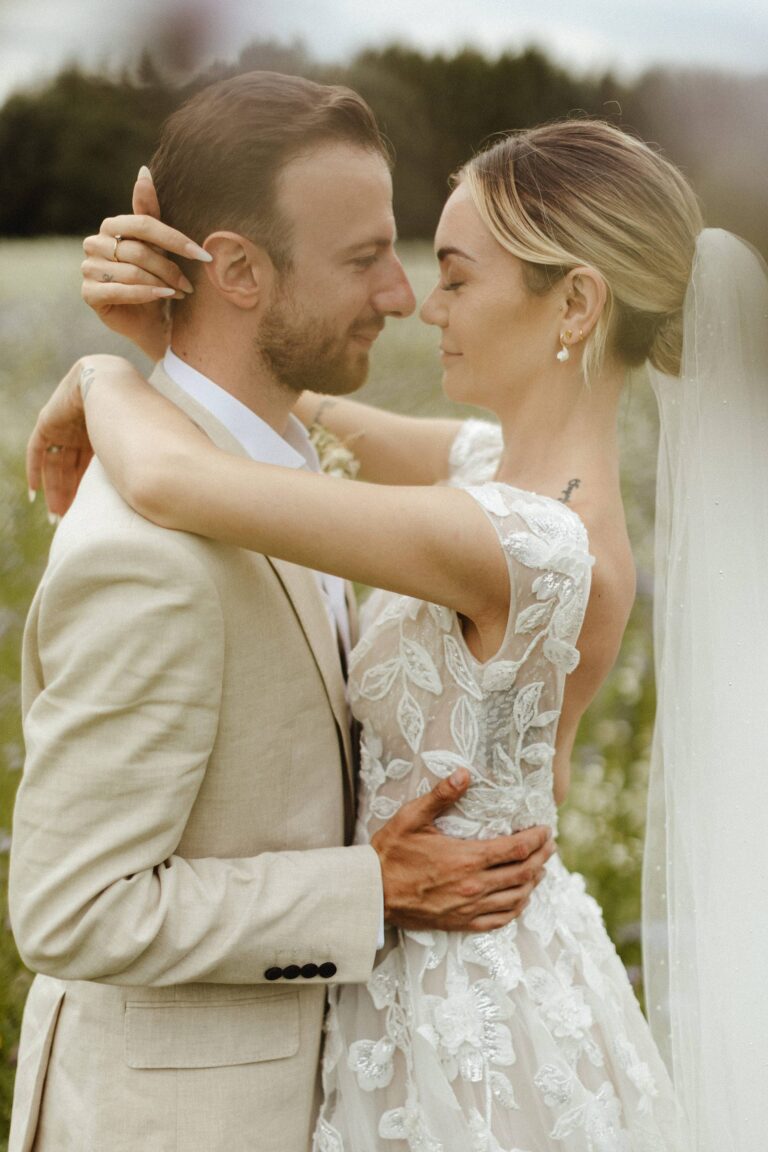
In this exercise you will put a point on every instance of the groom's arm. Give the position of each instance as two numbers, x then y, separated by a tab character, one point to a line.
128	641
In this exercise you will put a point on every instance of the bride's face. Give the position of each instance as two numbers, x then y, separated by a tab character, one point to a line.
497	338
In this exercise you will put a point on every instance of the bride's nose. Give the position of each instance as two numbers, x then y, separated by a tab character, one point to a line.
431	312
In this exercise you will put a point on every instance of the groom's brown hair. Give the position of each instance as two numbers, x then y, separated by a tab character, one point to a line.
220	155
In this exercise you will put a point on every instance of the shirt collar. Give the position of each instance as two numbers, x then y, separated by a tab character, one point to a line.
259	439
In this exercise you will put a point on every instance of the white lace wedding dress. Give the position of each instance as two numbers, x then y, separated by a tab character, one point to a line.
527	1038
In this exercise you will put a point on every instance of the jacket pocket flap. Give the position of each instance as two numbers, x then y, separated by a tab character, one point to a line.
212	1035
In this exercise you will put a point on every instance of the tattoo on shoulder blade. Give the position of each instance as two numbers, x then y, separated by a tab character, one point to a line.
568	490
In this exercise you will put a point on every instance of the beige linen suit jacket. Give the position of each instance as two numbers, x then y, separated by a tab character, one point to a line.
178	875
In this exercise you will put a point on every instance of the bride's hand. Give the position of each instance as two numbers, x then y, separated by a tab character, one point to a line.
59	449
127	278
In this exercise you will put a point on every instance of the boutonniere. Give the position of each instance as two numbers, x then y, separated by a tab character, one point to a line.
336	458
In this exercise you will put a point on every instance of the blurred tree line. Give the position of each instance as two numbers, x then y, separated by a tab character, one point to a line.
69	150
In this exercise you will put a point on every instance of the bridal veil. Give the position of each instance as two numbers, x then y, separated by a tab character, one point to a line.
706	865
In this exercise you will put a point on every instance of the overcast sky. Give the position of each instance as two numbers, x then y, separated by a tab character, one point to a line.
38	36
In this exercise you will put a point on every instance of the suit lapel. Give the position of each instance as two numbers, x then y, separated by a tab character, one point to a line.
301	588
299	583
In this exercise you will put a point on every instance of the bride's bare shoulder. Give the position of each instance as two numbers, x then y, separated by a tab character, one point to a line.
612	593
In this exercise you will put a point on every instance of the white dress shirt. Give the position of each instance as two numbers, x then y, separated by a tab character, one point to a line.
263	443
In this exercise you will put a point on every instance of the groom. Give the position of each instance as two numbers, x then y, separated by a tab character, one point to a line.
179	875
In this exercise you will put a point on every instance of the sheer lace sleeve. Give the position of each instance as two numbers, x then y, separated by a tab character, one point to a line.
546	548
427	706
475	452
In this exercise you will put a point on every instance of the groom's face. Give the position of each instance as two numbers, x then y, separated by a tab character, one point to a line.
345	278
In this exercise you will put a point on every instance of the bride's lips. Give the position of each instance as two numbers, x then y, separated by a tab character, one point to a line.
446	354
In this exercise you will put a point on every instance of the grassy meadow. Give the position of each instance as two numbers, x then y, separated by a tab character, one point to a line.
44	326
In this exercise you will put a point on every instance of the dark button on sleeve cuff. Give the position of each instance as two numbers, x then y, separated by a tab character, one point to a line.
291	972
273	973
327	970
309	971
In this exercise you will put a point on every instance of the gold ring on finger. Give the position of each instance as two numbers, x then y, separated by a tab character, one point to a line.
118	238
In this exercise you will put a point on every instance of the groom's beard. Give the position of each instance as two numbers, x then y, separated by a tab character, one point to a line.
304	354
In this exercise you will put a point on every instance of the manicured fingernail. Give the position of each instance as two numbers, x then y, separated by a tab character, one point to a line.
165	292
145	174
185	285
31	495
457	777
53	519
197	253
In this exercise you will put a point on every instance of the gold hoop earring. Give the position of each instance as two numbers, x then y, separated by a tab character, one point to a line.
564	353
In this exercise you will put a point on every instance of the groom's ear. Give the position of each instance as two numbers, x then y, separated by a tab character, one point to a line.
240	270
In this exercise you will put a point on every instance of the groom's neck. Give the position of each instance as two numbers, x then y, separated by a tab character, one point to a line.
229	362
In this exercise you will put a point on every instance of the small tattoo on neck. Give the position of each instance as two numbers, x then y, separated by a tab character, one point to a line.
568	490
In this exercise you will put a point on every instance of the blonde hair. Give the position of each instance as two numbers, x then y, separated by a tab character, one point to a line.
582	192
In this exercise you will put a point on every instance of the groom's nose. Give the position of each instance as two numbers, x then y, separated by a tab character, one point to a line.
393	295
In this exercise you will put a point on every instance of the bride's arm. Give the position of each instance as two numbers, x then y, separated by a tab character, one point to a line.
429	542
392	449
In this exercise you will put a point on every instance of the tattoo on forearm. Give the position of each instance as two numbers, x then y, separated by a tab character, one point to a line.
87	377
568	490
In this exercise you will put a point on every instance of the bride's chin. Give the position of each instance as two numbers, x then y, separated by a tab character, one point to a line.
455	395
451	386
459	392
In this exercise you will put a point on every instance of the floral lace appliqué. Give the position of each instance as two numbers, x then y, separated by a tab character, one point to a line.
525	1037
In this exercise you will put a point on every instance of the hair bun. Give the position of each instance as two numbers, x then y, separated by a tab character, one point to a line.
666	352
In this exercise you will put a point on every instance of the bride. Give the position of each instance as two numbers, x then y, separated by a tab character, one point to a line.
566	257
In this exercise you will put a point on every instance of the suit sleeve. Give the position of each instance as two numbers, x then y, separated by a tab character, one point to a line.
128	639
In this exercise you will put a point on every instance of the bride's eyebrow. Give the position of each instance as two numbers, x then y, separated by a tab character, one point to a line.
444	253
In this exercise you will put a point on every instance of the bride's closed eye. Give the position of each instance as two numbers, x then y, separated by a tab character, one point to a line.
451	286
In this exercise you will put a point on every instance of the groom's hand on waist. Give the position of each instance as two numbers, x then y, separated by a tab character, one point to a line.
435	881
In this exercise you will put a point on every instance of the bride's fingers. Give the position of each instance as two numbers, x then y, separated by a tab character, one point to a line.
152	231
99	262
61	474
144	198
100	271
34	463
98	295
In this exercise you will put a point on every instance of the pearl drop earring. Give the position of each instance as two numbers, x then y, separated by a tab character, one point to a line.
564	354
